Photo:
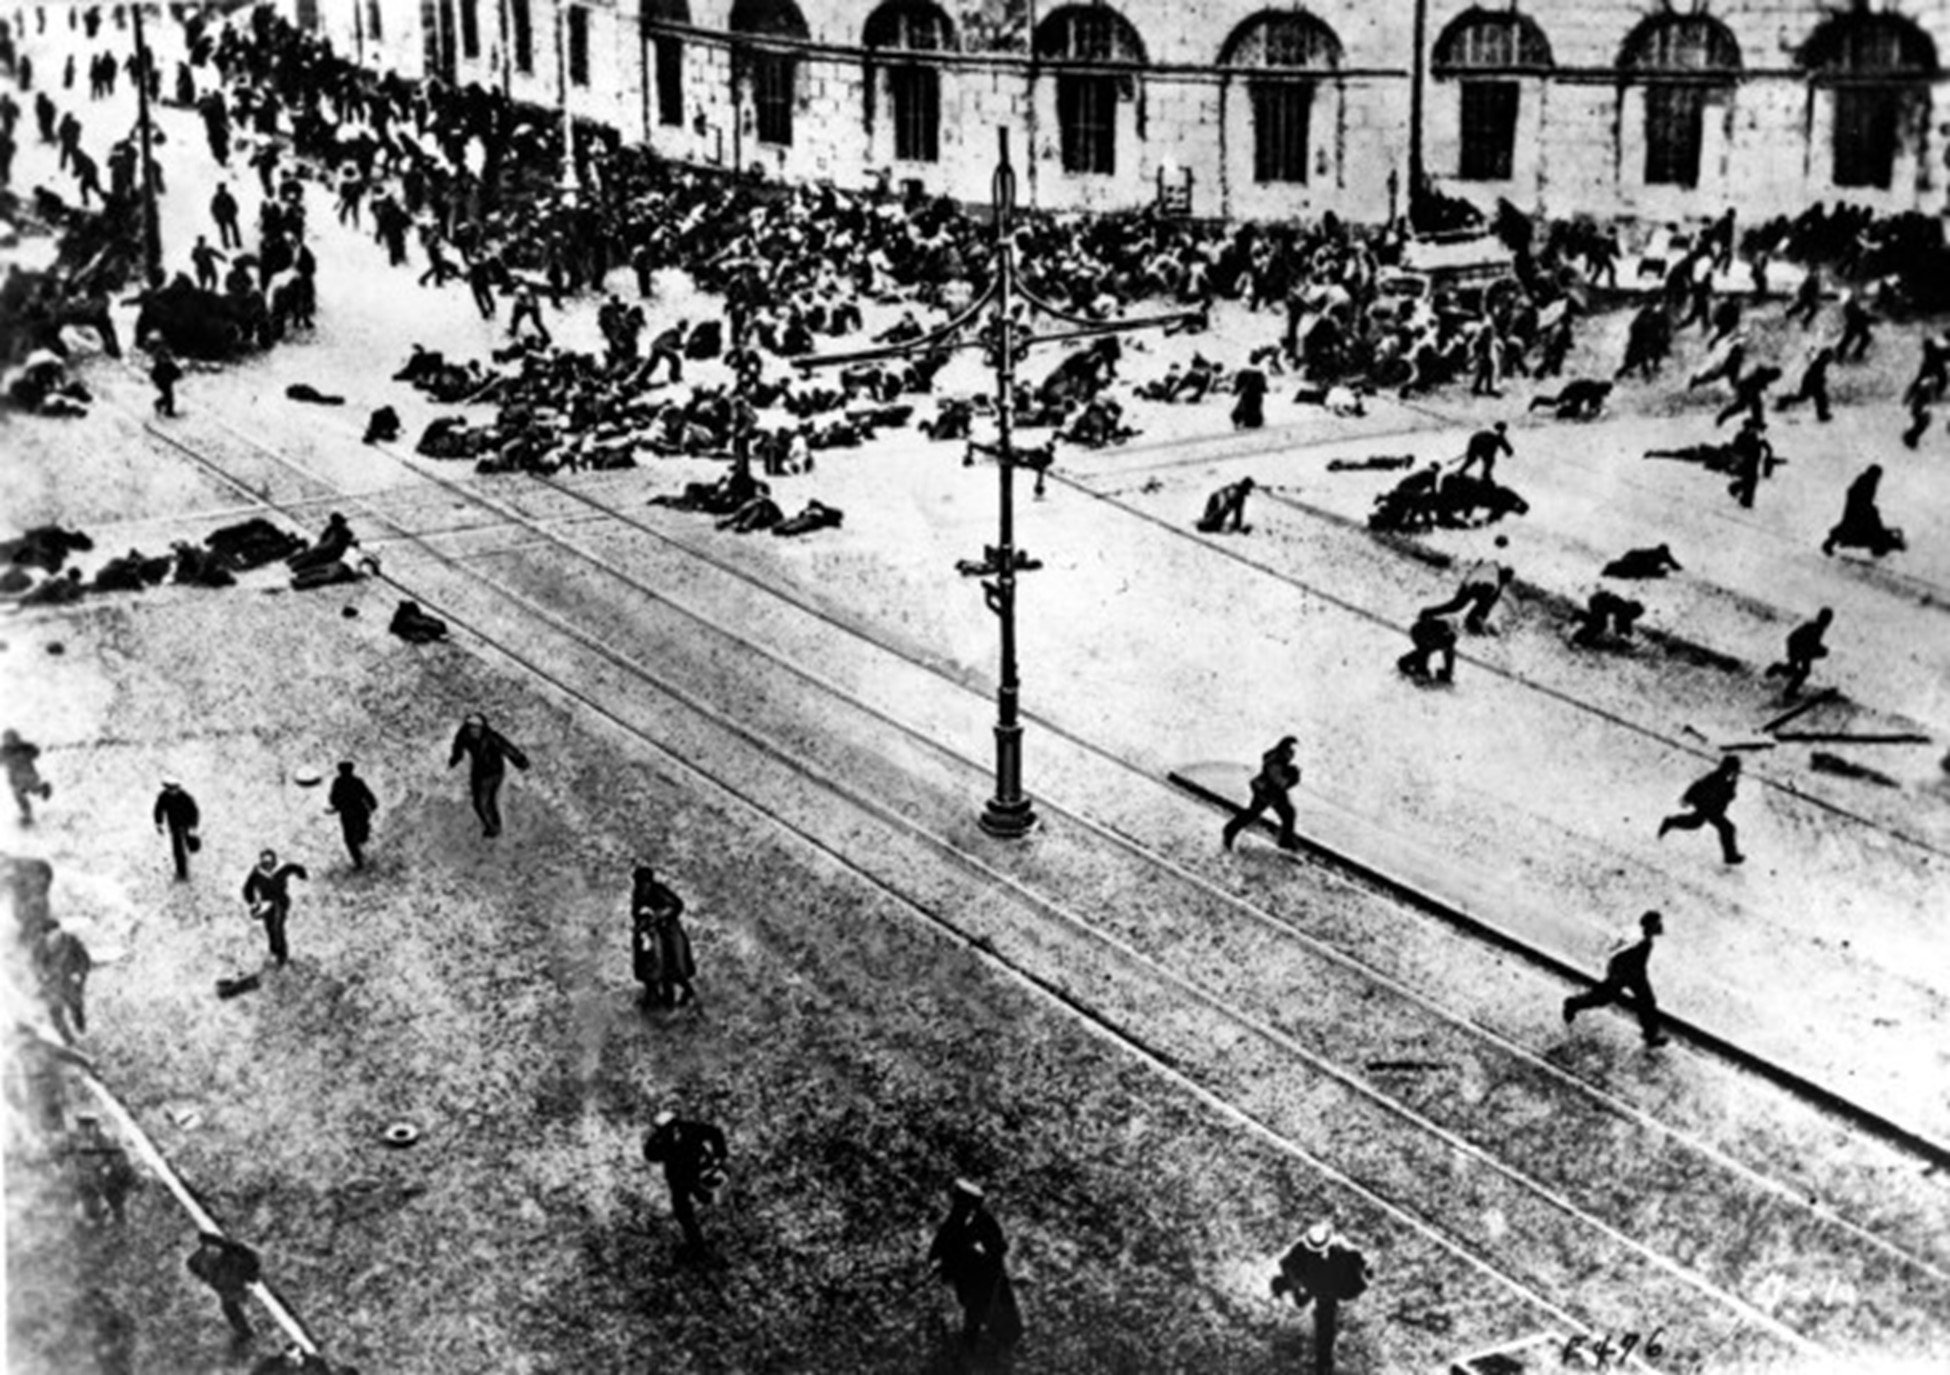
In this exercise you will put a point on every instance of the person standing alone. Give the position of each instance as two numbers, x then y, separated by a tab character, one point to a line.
661	949
968	1254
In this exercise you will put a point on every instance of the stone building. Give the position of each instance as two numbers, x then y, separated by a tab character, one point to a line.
1649	108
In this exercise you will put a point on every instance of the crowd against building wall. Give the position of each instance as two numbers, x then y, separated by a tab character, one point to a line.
1262	112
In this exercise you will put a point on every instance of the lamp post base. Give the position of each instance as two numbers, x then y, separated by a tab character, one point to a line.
1009	820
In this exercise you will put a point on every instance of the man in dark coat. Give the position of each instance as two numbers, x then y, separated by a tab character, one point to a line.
176	810
1861	525
353	803
1625	973
23	774
230	1269
1225	509
1707	801
104	1178
1653	562
223	209
661	950
968	1254
1814	385
692	1155
1753	459
63	964
1804	646
267	889
1322	1268
165	372
1278	776
1432	637
1484	447
488	753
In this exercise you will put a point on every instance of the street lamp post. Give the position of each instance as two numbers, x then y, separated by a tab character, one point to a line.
568	120
1009	813
1417	80
151	218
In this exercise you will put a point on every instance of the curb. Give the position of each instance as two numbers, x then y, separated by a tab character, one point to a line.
1936	1154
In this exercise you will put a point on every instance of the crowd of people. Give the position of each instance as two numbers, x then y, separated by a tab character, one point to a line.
465	177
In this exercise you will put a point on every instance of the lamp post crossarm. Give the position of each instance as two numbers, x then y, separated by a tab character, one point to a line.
934	341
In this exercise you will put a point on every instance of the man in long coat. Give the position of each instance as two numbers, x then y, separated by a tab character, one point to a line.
968	1253
660	947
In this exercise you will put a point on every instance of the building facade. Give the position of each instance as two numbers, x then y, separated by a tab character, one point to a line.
1651	108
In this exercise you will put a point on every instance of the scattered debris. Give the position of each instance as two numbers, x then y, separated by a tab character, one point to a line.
1406	1066
232	988
1842	737
416	626
1825	695
1821	762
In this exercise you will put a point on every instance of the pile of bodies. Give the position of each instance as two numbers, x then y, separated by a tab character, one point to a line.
215	562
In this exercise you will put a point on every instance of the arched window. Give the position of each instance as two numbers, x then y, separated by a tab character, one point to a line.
1681	59
667	56
1080	38
913	86
1879	66
1486	51
774	71
1287	53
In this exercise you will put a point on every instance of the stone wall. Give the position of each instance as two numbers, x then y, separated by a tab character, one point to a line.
1580	127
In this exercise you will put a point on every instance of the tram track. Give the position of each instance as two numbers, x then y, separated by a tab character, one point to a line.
1643	1270
1338	866
951	849
1512	676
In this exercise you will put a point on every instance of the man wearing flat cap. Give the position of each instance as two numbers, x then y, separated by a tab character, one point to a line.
1322	1268
1278	776
692	1154
968	1254
176	811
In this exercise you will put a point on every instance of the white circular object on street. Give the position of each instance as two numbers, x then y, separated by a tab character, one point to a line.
308	778
402	1134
